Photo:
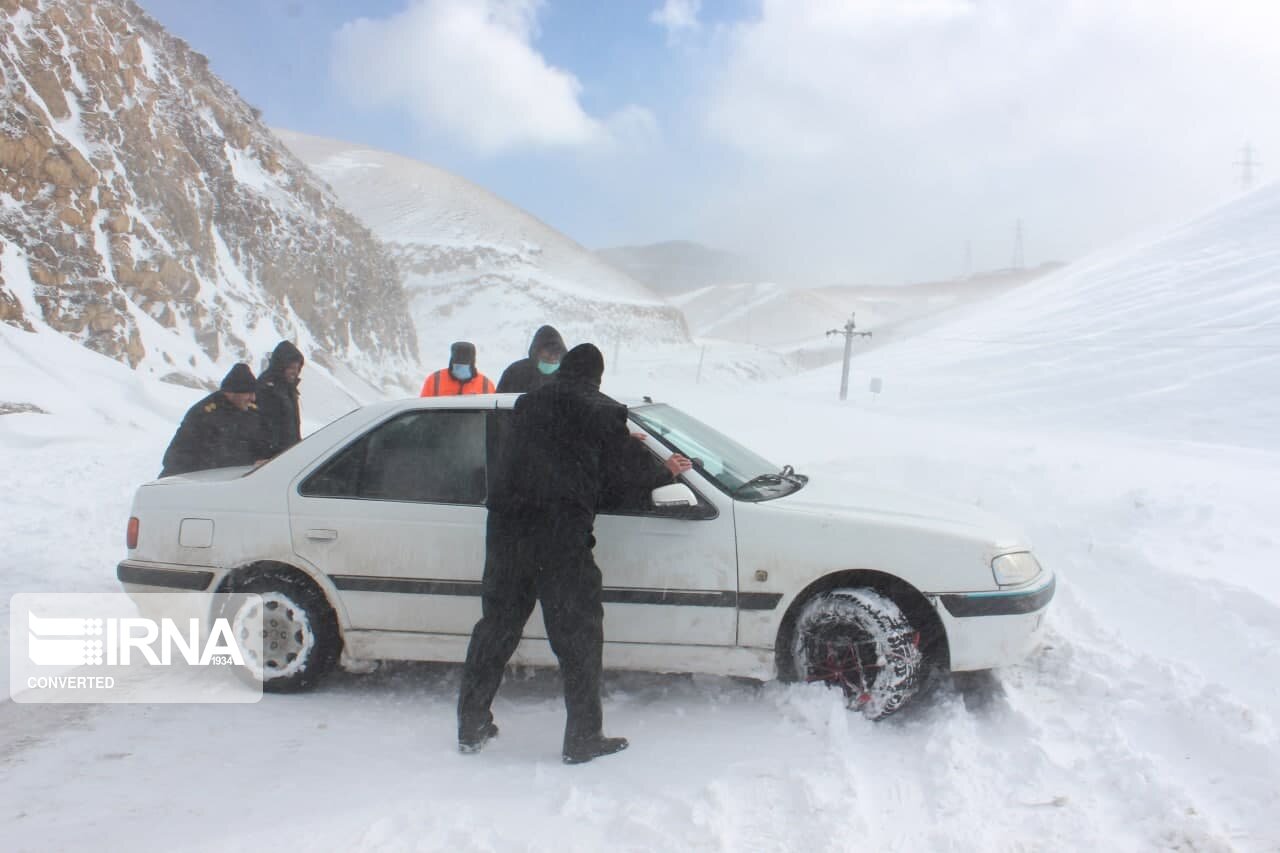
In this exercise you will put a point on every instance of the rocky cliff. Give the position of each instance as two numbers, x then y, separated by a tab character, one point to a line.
139	195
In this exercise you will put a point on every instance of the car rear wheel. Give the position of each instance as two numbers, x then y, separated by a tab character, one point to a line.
300	639
860	641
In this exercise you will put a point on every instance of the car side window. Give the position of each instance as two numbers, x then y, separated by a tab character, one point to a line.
430	456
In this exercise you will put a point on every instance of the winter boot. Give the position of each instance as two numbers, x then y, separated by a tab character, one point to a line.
474	741
582	751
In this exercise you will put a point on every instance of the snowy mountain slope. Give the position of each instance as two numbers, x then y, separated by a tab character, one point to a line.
764	314
83	393
477	268
795	320
1176	336
678	266
146	212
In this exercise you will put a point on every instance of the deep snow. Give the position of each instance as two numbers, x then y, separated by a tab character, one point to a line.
1147	721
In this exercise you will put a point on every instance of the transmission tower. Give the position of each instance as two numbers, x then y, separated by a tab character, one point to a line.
1247	164
1018	260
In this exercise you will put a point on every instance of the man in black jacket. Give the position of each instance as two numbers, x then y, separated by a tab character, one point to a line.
221	431
567	448
539	368
278	399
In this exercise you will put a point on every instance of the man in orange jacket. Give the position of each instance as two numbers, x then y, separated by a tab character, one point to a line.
460	377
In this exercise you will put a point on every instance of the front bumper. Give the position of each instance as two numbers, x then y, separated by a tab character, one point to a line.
1005	602
991	629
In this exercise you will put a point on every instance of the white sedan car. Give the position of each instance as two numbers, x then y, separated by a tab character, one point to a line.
366	542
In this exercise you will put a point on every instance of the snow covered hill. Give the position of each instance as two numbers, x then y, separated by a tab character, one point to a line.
794	320
479	269
678	266
147	213
1176	336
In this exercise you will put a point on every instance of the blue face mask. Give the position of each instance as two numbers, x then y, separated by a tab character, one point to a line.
546	368
462	372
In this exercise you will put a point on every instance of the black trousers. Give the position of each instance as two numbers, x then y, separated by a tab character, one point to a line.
547	560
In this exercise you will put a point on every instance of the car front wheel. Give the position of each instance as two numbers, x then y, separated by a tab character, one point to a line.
860	641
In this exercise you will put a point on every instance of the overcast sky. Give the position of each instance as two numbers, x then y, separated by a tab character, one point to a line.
840	141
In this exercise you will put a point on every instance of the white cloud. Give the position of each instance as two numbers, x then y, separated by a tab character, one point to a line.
677	17
894	130
469	69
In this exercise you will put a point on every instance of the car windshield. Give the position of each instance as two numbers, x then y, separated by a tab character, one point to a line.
736	470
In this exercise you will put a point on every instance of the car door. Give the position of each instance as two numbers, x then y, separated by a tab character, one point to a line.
670	574
396	518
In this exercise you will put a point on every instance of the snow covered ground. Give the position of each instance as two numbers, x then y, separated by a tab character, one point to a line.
1148	721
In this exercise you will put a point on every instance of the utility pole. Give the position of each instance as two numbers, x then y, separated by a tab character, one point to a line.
968	259
1247	164
849	335
1018	260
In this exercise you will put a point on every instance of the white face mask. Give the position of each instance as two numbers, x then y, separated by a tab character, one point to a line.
462	372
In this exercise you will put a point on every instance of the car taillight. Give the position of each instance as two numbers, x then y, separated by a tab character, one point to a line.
131	536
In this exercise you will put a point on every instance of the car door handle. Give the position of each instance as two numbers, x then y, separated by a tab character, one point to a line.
322	535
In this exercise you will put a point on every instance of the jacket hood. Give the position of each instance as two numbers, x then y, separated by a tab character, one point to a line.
284	355
545	337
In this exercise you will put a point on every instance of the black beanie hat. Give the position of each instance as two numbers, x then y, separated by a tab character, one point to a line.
462	352
239	380
584	363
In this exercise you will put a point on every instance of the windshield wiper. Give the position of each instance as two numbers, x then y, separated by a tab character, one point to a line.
786	475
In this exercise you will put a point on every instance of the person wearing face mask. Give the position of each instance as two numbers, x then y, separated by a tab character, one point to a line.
529	374
460	377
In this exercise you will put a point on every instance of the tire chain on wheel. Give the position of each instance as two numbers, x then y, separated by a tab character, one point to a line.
871	619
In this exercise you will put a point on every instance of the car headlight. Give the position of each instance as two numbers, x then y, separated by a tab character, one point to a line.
1014	569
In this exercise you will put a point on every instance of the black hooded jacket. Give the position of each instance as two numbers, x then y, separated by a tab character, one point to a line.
278	401
523	375
215	434
568	450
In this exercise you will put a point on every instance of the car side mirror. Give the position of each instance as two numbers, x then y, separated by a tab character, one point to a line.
676	494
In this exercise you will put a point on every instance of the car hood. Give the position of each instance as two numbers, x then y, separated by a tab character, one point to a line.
846	498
